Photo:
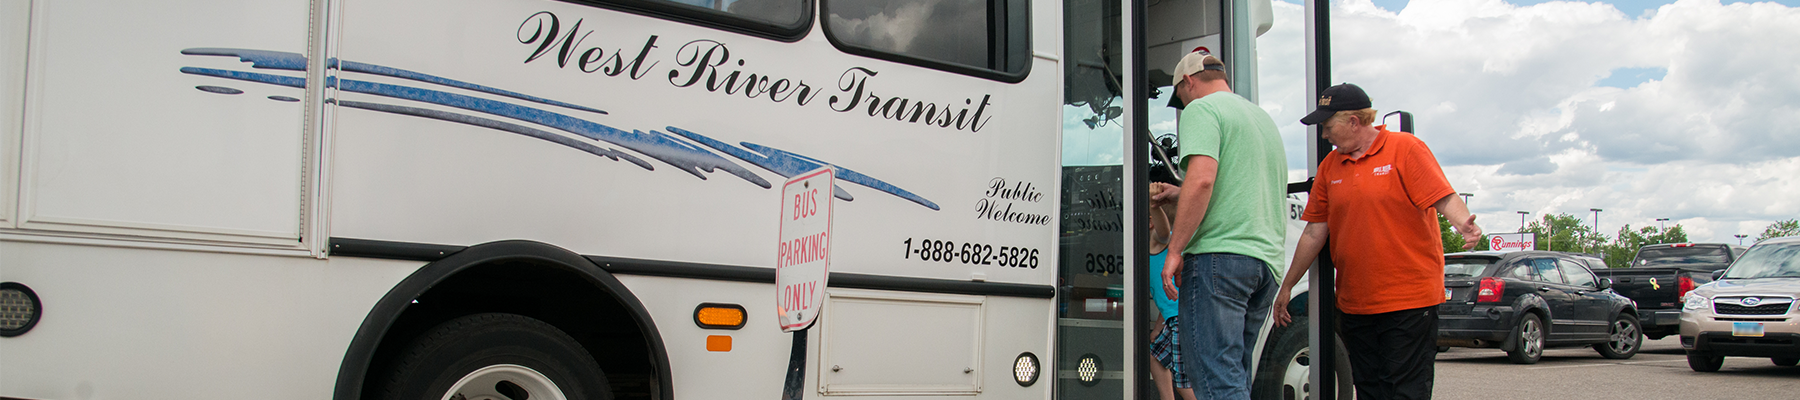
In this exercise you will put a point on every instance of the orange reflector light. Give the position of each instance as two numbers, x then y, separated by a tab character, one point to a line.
719	316
718	343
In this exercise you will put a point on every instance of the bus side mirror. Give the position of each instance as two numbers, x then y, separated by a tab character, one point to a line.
1404	123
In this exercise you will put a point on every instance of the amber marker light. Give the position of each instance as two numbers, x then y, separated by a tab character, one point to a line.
718	343
719	316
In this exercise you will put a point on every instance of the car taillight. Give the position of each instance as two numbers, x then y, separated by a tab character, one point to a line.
1683	285
1491	289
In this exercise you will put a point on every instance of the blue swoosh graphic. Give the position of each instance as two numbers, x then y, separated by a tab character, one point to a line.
296	62
682	156
789	164
658	145
615	155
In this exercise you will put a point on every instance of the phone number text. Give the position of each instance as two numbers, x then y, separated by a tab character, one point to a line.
971	253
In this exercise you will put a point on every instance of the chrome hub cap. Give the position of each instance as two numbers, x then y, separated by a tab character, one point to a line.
1624	337
1298	380
1533	338
504	382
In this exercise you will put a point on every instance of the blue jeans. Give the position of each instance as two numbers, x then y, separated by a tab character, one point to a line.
1225	300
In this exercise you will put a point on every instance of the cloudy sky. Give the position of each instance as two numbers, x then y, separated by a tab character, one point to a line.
1687	110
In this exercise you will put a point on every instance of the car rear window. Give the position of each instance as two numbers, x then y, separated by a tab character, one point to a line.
1466	267
1681	255
1781	260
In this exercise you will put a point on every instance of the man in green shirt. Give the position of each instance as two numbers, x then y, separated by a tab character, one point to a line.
1228	222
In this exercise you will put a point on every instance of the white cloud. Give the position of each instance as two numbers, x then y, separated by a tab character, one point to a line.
1509	98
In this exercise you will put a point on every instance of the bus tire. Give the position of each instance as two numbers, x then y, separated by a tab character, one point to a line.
495	355
1285	373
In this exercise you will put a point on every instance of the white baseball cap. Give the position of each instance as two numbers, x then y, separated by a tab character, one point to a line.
1195	62
1192	63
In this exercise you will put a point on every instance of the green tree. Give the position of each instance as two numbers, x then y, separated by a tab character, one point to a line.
1620	251
1564	232
1453	242
1786	227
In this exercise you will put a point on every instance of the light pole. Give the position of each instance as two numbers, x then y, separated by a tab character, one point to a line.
1596	228
1522	220
1740	239
1659	224
1466	197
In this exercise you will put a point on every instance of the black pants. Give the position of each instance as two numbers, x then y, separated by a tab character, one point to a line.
1391	354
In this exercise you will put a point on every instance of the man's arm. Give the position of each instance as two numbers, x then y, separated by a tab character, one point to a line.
1312	240
1457	212
1196	193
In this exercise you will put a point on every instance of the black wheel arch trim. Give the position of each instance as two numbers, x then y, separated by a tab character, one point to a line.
387	310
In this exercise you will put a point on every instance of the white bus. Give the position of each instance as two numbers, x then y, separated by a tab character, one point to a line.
510	199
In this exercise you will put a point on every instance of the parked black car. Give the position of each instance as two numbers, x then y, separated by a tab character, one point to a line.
1525	301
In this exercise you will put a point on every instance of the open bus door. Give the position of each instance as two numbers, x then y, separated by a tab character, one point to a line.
1155	35
1115	59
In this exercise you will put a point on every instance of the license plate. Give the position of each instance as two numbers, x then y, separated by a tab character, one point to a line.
1446	294
1752	329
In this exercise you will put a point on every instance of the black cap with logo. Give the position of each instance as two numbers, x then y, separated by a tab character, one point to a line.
1343	97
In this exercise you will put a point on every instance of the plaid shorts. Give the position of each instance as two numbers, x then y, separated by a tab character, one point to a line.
1166	347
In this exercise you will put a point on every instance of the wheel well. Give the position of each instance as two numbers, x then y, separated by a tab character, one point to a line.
1543	319
563	290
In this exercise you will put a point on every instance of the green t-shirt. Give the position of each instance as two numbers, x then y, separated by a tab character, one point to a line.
1245	216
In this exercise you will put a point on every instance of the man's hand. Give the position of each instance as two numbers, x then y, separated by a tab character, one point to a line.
1171	274
1471	235
1281	316
1163	194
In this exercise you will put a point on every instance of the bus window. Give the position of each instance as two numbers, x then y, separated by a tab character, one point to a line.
974	37
786	20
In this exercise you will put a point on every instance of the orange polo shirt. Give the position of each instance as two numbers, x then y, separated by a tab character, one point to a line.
1383	229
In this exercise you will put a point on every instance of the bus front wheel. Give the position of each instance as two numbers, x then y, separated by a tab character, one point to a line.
495	356
1285	370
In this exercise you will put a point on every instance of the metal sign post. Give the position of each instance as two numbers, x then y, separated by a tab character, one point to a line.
802	264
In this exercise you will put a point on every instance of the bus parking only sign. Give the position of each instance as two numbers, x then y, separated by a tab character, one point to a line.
803	256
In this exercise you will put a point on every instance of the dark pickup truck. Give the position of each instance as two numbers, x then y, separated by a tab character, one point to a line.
1661	274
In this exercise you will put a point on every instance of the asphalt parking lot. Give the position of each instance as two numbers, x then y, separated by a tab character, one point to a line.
1659	371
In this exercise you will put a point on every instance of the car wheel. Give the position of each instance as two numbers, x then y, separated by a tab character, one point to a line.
494	356
1786	361
1705	363
1626	337
1530	347
1285	371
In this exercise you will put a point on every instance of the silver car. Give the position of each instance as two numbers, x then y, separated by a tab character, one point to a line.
1748	310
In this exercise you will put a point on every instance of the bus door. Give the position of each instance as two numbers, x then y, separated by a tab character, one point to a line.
1116	127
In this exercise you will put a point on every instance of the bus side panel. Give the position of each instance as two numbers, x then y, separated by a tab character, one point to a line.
14	32
754	367
162	324
670	170
123	136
